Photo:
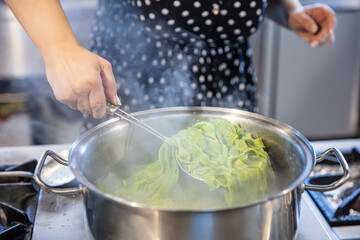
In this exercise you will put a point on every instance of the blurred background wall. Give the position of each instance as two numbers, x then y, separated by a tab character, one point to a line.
315	90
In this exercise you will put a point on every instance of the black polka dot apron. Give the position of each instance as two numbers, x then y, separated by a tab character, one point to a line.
179	53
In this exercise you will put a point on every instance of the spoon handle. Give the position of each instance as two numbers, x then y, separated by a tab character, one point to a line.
111	109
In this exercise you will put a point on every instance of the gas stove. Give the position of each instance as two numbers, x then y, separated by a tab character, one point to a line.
63	217
340	207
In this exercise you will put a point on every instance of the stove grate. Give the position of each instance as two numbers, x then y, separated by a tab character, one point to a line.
336	216
339	206
18	202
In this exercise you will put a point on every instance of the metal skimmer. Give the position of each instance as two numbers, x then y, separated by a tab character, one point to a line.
112	109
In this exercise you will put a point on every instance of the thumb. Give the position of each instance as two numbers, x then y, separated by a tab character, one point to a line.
109	83
307	22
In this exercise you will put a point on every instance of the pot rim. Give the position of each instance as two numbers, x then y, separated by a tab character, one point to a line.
280	125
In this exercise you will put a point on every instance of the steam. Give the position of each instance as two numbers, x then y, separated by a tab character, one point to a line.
168	62
47	120
132	147
152	61
142	148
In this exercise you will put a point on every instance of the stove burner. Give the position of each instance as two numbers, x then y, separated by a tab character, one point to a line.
18	201
341	206
335	216
16	220
347	204
353	192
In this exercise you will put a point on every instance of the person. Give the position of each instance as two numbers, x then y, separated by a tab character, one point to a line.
162	53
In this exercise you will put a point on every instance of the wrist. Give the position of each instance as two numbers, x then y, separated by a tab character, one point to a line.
57	50
292	6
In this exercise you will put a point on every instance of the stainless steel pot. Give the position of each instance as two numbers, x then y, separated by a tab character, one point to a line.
103	148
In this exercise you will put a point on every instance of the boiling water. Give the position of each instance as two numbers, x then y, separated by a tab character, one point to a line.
142	148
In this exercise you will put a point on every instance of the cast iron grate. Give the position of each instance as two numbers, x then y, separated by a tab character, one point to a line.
18	202
339	207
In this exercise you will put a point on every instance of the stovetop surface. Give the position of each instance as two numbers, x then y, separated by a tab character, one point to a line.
62	217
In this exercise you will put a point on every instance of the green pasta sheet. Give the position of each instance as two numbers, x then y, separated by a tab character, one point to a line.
232	163
225	157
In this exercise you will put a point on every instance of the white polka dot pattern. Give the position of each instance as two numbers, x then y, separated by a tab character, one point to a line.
177	3
187	55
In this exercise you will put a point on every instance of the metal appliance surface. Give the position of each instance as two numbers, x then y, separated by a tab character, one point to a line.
274	217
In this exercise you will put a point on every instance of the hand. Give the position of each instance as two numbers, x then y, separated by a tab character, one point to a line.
314	23
81	79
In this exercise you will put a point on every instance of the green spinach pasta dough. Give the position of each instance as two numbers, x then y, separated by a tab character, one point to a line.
232	163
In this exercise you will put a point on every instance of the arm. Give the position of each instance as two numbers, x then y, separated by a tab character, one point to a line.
314	23
277	12
78	77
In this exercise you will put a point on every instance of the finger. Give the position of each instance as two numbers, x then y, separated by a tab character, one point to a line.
321	36
332	40
331	22
324	16
97	100
328	41
71	104
66	99
109	83
307	37
83	104
311	39
307	23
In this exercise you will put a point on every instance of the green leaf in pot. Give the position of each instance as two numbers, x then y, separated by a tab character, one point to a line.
223	155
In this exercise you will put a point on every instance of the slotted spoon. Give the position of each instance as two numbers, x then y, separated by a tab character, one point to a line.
112	109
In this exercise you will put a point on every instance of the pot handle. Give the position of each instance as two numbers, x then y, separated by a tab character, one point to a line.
46	187
338	183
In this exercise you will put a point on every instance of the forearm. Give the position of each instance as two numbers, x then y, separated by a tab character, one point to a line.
46	24
313	23
278	10
78	77
291	5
